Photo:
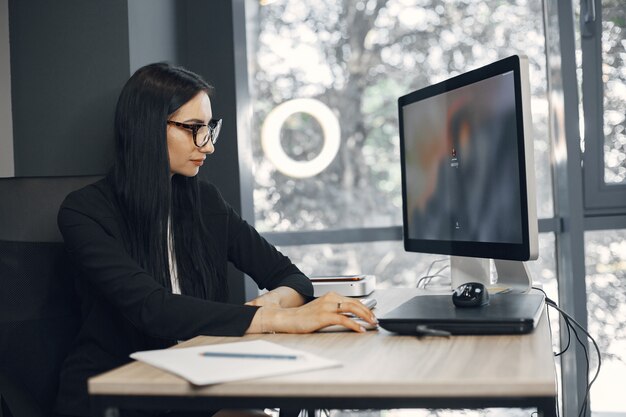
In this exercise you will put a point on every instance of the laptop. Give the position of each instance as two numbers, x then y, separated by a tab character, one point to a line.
511	313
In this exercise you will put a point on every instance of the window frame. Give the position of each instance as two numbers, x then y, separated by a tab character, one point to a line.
600	198
365	234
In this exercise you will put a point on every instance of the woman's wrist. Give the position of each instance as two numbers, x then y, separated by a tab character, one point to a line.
262	324
268	320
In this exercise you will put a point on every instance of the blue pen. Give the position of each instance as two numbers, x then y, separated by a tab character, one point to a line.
248	355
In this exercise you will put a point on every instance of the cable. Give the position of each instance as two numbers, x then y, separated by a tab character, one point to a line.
436	274
428	275
569	336
433	263
569	339
585	350
570	322
583	410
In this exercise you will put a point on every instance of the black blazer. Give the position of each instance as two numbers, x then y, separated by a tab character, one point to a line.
125	310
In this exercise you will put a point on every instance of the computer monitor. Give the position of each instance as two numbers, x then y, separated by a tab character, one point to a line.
468	186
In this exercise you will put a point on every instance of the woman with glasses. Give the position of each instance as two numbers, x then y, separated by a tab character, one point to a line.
151	243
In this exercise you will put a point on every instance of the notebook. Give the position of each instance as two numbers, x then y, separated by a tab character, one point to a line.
214	364
512	313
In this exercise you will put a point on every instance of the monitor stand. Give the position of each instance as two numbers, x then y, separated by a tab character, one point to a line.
512	276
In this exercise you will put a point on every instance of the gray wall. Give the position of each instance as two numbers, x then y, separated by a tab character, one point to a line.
68	62
152	32
7	168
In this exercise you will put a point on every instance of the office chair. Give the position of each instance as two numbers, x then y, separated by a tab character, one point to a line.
39	313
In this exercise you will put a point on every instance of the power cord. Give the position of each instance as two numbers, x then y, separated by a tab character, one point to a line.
428	277
570	322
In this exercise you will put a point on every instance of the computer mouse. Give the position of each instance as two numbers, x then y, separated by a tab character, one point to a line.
470	294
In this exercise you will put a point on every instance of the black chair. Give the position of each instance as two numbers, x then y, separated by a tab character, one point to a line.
39	313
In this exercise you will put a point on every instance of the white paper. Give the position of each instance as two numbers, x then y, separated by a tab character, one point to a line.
189	363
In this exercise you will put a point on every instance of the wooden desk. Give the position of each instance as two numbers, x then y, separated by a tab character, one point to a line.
380	370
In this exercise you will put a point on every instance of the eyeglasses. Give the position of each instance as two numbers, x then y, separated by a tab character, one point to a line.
204	132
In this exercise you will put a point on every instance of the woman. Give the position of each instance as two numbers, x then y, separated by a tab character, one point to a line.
152	243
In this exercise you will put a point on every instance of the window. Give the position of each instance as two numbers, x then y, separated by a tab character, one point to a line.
324	79
605	253
602	57
614	79
350	61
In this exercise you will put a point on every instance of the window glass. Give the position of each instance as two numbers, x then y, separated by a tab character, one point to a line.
393	267
605	260
579	78
614	79
332	159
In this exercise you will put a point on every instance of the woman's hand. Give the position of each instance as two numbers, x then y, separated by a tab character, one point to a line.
281	297
325	311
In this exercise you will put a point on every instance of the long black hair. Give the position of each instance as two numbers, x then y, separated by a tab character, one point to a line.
148	197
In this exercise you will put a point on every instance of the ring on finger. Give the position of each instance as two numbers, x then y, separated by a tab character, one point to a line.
339	307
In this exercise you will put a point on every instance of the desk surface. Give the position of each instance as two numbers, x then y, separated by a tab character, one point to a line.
376	364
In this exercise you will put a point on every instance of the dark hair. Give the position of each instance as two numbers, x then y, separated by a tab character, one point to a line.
148	197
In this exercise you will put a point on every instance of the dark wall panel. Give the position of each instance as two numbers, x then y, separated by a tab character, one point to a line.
207	46
69	61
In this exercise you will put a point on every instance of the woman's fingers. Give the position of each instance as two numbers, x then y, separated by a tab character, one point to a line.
341	308
345	305
350	324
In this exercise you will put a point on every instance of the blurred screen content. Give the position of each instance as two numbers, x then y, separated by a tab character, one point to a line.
462	167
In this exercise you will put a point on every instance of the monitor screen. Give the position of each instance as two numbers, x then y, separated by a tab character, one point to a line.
464	165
